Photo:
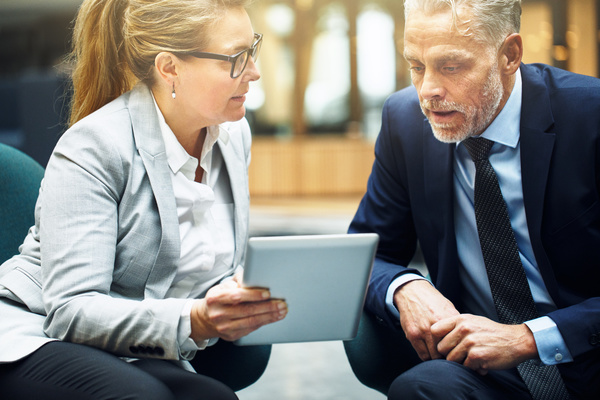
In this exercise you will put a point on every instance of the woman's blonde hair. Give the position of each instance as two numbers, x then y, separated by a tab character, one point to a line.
115	43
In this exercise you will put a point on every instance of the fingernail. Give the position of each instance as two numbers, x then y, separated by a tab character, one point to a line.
281	305
265	294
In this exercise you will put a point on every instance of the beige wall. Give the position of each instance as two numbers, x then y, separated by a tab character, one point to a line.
536	30
582	35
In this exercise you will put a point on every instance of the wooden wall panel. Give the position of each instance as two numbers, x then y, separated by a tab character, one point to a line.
310	167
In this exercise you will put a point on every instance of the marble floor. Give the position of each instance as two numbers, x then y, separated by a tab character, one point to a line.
309	371
316	370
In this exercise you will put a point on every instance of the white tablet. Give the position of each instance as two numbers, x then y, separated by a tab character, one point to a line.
323	279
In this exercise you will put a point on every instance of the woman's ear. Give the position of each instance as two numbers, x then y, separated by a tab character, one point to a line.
512	52
167	67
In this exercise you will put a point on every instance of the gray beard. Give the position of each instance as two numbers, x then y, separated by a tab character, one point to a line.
476	120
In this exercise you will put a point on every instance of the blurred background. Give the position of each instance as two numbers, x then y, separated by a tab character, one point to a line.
327	67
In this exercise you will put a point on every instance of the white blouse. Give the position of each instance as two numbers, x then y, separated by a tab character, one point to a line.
206	220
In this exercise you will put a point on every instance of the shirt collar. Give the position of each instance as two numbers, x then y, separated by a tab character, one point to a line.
179	159
505	128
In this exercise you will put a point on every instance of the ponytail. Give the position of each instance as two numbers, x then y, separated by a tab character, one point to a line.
100	72
115	43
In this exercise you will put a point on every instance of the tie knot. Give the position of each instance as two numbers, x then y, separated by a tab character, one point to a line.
478	148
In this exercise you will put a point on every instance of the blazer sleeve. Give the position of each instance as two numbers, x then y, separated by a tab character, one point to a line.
386	209
560	148
80	231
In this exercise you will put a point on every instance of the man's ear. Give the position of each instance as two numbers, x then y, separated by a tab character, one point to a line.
167	67
511	53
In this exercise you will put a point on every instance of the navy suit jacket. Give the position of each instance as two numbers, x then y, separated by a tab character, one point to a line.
410	198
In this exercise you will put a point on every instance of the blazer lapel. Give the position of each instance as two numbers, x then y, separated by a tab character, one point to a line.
234	158
537	144
439	191
151	148
438	158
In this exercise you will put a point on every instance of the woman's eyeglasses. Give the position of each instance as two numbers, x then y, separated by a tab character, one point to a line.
238	61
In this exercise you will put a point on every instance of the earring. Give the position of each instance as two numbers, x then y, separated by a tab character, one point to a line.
173	95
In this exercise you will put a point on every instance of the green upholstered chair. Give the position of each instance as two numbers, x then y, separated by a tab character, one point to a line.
379	354
20	177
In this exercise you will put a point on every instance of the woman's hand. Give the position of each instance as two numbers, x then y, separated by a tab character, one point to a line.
230	311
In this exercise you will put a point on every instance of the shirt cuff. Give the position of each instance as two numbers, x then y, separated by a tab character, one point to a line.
184	330
551	346
396	283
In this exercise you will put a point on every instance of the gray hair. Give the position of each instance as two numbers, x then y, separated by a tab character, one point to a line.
493	20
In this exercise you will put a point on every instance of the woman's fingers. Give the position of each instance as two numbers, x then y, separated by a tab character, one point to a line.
254	317
229	311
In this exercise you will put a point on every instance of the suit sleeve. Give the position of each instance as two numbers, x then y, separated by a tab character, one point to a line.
386	210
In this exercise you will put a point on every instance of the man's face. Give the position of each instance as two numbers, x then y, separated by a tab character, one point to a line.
457	78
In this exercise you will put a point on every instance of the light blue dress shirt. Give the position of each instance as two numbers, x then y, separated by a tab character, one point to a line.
505	159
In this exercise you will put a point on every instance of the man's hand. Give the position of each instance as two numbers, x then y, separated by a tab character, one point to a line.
420	306
482	344
230	311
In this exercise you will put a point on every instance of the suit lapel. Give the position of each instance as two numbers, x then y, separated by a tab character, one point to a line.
537	144
439	191
438	159
151	148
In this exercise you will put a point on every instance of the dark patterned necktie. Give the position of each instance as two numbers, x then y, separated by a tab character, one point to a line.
508	282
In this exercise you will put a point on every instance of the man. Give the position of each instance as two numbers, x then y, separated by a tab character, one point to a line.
543	126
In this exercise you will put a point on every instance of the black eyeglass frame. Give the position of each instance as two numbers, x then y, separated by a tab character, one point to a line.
252	52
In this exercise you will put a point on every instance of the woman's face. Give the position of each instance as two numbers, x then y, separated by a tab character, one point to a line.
206	93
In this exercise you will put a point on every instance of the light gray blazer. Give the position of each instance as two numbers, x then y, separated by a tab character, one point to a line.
95	267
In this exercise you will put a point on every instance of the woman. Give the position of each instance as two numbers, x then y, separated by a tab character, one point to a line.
142	217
